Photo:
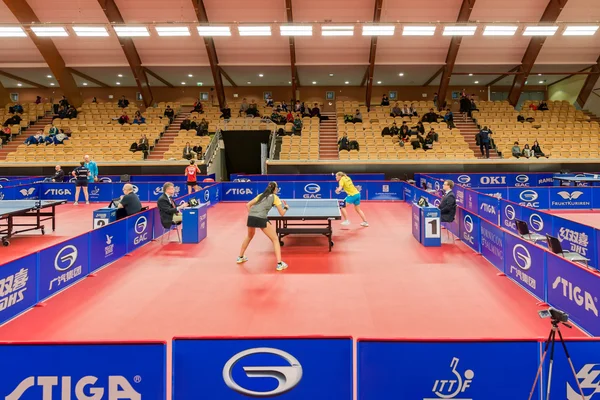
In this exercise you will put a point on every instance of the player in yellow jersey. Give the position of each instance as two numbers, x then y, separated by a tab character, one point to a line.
353	197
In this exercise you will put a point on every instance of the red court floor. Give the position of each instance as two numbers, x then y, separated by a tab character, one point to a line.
591	218
377	282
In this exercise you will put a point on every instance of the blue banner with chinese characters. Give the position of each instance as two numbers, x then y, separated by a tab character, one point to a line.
18	281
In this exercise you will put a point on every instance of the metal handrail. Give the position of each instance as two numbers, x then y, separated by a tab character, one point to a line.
212	148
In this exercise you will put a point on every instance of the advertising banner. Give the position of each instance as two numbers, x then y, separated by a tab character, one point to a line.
62	265
489	208
8	193
576	237
585	356
84	371
384	190
289	369
141	189
156	189
409	193
492	244
18	280
459	192
530	197
510	213
574	290
499	193
525	264
59	191
469	230
28	192
139	230
471	201
308	177
538	221
446	370
483	180
416	222
239	191
313	190
103	192
108	244
570	198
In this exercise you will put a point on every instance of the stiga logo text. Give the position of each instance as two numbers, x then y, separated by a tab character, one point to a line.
42	387
58	192
239	191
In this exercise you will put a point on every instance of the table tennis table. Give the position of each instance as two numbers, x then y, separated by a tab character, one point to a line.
307	217
33	210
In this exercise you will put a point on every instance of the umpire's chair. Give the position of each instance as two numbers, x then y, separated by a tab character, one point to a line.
555	247
523	230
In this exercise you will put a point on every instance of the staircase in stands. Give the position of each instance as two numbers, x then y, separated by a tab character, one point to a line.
169	136
593	117
469	129
20	139
328	137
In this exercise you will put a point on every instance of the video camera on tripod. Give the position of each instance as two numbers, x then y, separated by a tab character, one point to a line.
556	315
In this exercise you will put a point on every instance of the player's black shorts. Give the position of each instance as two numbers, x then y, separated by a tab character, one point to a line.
192	183
79	183
255	222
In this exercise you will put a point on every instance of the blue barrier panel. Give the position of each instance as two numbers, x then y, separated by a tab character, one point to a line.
499	180
500	193
210	195
525	263
239	191
84	371
312	190
459	192
156	189
530	197
27	192
570	198
446	370
58	191
8	193
102	192
576	237
62	265
308	177
471	201
489	208
492	244
108	244
538	221
454	225
409	193
584	355
289	369
509	213
18	280
469	230
384	190
574	290
139	230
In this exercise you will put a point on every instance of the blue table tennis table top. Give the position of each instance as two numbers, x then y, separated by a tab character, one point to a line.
313	208
579	178
18	206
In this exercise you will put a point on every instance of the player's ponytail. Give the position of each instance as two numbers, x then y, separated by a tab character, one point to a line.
271	187
341	174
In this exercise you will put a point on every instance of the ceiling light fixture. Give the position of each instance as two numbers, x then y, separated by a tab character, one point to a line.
476	82
183	83
254	30
496	30
409	30
337	30
540	30
401	74
539	74
12	31
131	31
120	75
330	74
214	31
173	31
48	76
90	31
118	83
50	31
580	30
379	82
190	76
459	30
260	75
249	83
541	81
199	83
52	84
290	82
296	30
84	83
470	74
19	84
378	30
347	82
314	83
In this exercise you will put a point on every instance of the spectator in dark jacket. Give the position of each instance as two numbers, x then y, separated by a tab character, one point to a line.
344	143
123	102
169	113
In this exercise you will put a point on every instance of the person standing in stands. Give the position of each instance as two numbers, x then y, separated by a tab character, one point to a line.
448	204
81	174
169	113
484	142
93	168
191	172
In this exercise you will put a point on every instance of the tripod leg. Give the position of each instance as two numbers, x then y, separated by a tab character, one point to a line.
562	341
549	383
539	371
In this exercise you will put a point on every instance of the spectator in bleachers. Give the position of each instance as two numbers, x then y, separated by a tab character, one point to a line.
186	124
35	139
93	167
198	107
435	99
226	112
169	113
298	107
417	142
357	116
253	109
472	107
396	111
537	150
315	112
520	118
62	113
284	106
188	152
94	100
138	119
406	111
194	123
289	117
532	107
17	108
429	139
244	107
124	118
430	117
344	142
5	134
420	128
449	119
297	128
64	102
278	118
202	129
53	131
38	99
413	110
60	138
71	112
433	133
485	138
123	102
14	119
465	104
394	129
404	132
516	150
59	174
543	106
198	150
269	101
527	151
385	101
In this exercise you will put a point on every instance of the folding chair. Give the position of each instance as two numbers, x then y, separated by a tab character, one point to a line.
523	230
167	232
555	247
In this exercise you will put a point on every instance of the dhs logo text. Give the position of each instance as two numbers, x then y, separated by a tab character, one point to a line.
312	191
140	230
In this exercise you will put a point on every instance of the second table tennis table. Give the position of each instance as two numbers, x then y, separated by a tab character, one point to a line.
308	217
33	210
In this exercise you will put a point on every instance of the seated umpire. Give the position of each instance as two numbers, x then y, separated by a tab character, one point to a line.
448	204
168	210
130	203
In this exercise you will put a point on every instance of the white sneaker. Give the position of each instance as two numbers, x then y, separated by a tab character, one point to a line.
242	259
76	204
365	224
346	223
281	266
87	202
